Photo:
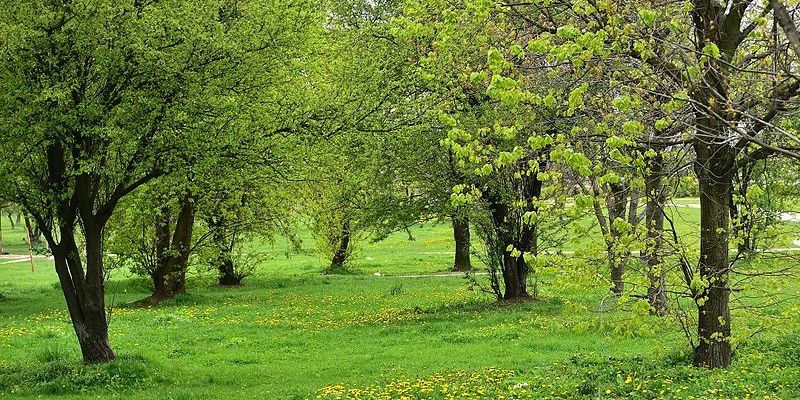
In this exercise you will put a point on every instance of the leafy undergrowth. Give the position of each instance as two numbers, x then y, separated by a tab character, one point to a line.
760	373
57	372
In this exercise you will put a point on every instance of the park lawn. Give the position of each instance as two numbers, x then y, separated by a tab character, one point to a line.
291	332
14	240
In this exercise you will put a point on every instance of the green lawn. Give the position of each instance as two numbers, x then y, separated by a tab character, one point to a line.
290	332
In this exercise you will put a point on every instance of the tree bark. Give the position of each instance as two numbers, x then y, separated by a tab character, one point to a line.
93	340
84	293
715	166
35	232
461	235
654	242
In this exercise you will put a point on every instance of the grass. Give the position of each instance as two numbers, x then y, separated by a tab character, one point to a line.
291	332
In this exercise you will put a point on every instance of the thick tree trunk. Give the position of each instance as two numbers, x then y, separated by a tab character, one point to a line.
162	287
654	243
227	273
182	242
461	235
515	278
342	251
94	341
88	319
713	321
715	169
85	294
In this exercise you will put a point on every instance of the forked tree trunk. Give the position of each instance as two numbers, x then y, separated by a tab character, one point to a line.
84	294
515	277
461	235
173	249
510	230
654	243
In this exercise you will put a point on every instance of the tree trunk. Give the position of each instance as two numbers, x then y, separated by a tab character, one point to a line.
714	168
227	273
342	251
741	214
654	243
173	249
510	230
85	294
462	238
616	202
11	221
617	266
182	243
225	265
515	278
162	288
33	229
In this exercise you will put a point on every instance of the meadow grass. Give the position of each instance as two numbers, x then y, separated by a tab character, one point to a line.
290	332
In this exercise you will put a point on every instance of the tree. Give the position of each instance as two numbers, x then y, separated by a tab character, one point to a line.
99	98
720	78
151	234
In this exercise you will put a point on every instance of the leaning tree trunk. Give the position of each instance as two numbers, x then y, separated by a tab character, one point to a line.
33	230
654	243
461	235
11	221
84	294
